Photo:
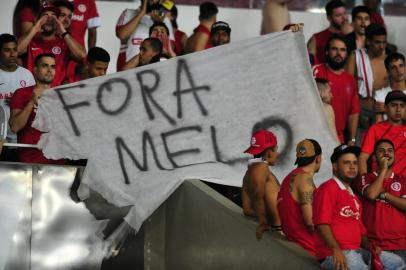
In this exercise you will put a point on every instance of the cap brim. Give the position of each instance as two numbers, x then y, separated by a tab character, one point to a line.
258	150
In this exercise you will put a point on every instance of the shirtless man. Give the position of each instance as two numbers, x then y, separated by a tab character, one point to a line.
260	186
275	16
368	67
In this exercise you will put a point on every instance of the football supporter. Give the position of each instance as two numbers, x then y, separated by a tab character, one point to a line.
395	67
200	39
133	27
97	63
24	16
50	36
361	18
373	6
337	215
393	129
220	34
24	105
12	76
160	31
384	201
296	196
345	103
275	16
171	12
338	18
260	186
150	52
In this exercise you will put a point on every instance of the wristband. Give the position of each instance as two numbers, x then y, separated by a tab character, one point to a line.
353	140
382	196
276	228
64	34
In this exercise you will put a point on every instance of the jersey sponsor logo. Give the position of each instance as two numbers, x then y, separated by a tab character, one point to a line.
136	41
82	8
34	49
56	50
23	83
347	212
76	17
253	141
396	186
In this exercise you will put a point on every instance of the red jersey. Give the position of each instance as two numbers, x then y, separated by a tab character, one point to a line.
84	16
178	42
377	18
345	95
25	15
203	29
291	216
58	47
321	41
28	134
337	206
385	130
385	224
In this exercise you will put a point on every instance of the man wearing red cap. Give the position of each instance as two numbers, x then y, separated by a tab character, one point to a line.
50	36
260	186
296	196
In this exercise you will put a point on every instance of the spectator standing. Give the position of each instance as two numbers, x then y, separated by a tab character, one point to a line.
24	104
24	17
50	36
160	31
171	12
337	16
150	52
361	18
296	196
343	86
384	201
275	16
395	67
393	129
374	6
133	27
220	34
200	39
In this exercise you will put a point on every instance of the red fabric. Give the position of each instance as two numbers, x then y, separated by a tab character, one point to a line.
397	134
321	41
28	134
203	29
178	42
291	216
84	11
345	98
386	224
342	211
58	47
25	15
121	61
377	18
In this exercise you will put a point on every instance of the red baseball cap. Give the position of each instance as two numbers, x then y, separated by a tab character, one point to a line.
260	141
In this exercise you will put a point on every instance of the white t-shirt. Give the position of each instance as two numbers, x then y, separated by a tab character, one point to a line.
380	95
9	83
141	32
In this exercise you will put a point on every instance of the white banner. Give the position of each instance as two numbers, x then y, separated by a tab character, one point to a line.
147	129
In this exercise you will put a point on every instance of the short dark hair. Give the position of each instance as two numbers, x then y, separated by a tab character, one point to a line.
392	57
303	161
98	54
6	38
336	37
260	155
375	29
321	80
157	46
333	4
207	10
359	9
162	24
63	3
42	55
378	142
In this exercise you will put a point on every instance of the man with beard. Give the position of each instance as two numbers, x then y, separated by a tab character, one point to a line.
395	66
12	76
368	66
337	216
393	129
50	36
133	27
343	87
384	201
296	196
24	105
220	34
338	18
360	20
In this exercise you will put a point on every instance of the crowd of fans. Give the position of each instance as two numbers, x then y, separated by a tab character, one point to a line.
360	77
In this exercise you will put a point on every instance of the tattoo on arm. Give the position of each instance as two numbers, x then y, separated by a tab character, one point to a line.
306	197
